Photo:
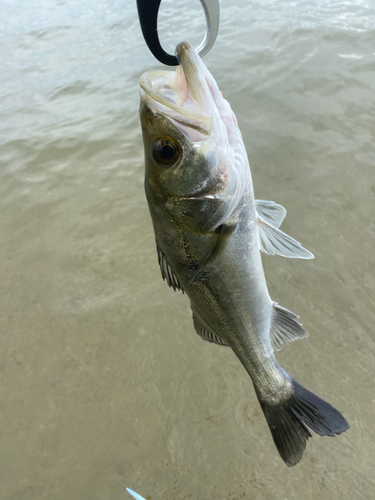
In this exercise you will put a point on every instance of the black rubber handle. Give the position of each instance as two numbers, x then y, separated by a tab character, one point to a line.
148	17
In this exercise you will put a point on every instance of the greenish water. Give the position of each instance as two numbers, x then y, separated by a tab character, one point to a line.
103	382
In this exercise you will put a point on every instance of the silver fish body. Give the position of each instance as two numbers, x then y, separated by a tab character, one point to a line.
209	231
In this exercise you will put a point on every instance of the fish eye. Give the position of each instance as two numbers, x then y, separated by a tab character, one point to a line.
166	152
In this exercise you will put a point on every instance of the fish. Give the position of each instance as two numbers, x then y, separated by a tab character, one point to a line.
210	232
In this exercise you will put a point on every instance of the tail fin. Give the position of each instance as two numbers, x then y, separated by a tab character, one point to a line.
288	421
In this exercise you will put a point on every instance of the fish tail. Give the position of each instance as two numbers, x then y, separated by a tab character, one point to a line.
287	422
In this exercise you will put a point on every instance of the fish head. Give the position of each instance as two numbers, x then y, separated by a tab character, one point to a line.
196	163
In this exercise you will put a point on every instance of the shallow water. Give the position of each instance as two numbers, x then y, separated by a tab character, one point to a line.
104	383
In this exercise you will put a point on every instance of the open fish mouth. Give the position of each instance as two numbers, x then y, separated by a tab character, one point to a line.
188	96
159	93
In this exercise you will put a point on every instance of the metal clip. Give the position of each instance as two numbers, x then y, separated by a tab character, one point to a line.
148	17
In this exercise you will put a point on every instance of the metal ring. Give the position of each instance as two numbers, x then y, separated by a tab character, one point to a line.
148	17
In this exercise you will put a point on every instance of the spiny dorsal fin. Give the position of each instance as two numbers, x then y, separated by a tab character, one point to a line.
167	272
206	334
285	327
270	212
274	242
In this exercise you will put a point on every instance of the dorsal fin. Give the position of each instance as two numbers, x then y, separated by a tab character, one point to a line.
167	272
285	327
205	333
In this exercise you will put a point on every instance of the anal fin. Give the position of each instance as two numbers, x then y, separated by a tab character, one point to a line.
285	327
205	333
167	272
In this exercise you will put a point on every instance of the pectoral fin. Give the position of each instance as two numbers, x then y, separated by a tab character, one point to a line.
205	333
167	272
270	212
285	327
274	242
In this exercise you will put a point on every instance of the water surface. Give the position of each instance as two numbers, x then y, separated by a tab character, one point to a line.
104	383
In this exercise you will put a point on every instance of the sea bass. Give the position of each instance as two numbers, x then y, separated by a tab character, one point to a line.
209	232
